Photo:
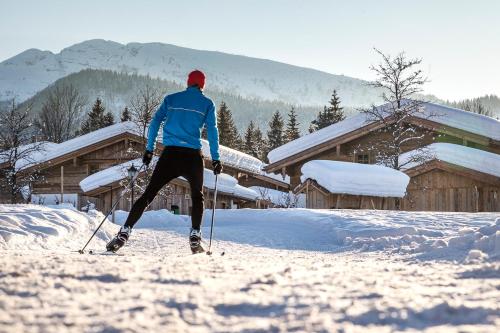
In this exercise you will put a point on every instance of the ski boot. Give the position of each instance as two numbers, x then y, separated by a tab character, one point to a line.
195	241
119	240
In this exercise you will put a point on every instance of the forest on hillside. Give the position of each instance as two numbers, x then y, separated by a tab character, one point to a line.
116	90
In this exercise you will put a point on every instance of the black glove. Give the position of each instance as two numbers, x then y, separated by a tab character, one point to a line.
148	156
217	166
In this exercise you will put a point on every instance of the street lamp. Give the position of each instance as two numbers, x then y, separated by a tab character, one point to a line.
132	173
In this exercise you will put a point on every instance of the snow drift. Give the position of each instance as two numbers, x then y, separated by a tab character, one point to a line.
427	235
49	227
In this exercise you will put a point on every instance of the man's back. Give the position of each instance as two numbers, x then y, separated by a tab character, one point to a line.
183	115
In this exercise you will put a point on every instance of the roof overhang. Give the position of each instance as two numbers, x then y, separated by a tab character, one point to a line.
85	150
310	182
452	168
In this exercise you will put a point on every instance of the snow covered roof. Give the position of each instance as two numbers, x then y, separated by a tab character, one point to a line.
226	183
85	140
235	158
456	118
109	175
356	178
45	147
470	158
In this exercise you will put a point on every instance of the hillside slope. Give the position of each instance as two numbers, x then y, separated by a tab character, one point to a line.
25	74
116	90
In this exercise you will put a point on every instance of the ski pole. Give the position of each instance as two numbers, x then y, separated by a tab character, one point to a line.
111	210
213	214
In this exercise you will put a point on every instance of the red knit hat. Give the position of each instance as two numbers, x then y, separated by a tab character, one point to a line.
196	78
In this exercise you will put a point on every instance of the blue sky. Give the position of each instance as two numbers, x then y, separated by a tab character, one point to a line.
459	41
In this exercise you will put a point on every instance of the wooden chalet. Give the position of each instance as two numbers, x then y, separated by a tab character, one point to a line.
344	141
63	166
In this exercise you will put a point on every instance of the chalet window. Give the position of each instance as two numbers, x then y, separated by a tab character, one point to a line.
363	158
93	168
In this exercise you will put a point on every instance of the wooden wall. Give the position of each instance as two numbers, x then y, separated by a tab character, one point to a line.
439	190
317	199
436	190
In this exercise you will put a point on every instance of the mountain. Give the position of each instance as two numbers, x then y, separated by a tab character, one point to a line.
117	89
23	75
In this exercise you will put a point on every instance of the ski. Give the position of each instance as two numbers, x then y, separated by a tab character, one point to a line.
105	253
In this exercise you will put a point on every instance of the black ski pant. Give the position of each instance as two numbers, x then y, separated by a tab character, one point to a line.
174	162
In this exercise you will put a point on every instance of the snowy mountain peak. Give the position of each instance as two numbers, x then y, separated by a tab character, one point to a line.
32	70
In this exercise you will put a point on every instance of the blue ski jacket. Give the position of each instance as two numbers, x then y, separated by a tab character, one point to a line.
183	115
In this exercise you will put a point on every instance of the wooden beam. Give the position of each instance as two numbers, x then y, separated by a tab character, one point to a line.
276	182
337	205
337	148
62	184
444	129
307	194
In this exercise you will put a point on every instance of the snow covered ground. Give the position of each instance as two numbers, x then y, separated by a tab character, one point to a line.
283	270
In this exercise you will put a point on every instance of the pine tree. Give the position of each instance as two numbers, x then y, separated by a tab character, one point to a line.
260	144
335	112
292	127
96	118
228	134
125	116
275	135
108	119
330	115
248	144
254	143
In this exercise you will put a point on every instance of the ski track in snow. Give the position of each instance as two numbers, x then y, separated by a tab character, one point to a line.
267	281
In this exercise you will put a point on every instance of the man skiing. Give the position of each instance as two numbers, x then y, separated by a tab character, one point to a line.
183	115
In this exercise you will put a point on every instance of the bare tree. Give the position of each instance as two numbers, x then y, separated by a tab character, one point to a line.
17	152
143	107
283	200
400	80
61	114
